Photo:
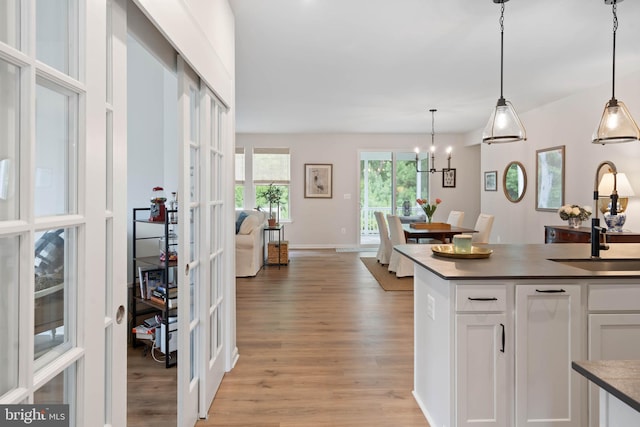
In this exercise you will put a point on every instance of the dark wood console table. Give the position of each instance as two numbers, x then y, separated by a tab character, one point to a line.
565	234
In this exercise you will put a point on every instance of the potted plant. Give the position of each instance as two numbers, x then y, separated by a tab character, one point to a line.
273	195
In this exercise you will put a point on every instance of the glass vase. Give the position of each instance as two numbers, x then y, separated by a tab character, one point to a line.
574	222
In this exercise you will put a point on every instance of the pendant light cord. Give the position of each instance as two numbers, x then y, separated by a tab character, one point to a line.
432	128
615	29
501	48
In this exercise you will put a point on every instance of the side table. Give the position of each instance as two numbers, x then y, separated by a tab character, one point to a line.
268	232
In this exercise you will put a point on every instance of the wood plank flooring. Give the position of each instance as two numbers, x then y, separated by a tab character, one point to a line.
321	344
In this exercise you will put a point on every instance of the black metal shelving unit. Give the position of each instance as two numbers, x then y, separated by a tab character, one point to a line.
149	261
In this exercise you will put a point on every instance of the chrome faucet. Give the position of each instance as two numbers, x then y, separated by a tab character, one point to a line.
595	221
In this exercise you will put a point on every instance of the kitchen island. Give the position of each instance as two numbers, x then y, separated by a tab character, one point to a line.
495	337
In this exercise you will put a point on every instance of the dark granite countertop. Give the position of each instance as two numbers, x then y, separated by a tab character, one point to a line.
527	261
621	378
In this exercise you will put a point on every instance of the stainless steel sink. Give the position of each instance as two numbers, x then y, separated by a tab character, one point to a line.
600	264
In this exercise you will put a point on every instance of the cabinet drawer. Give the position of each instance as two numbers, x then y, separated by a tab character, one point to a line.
614	297
482	298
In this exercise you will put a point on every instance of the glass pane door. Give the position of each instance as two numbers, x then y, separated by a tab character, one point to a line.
389	183
376	184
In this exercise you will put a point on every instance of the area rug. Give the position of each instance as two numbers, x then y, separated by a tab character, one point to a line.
388	281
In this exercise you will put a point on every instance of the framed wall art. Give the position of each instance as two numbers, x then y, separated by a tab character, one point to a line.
449	178
318	181
491	181
550	178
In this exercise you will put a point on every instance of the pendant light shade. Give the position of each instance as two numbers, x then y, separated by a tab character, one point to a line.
616	124
504	124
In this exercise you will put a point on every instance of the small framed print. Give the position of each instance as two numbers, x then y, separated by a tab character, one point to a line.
449	178
318	181
491	181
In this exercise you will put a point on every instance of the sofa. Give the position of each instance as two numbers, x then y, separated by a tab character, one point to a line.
249	242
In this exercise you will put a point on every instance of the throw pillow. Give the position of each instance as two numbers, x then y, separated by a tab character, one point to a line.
240	220
249	224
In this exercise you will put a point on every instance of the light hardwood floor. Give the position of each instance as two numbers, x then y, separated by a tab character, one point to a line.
321	344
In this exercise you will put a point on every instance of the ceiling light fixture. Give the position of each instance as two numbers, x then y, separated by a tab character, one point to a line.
432	163
504	124
616	124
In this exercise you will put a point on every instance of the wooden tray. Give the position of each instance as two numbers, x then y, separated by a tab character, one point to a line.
430	226
448	252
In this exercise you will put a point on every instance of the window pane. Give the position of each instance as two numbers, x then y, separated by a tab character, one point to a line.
239	196
60	390
55	279
9	140
9	277
10	23
54	41
56	151
407	185
194	159
278	211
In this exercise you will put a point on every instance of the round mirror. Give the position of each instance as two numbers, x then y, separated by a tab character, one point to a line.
514	181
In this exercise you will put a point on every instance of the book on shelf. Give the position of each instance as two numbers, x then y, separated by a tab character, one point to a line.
144	333
149	280
173	302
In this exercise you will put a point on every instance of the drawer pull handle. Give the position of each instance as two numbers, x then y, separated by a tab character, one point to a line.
551	291
482	299
503	338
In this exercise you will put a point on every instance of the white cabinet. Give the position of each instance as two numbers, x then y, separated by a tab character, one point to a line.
481	363
482	353
548	330
614	330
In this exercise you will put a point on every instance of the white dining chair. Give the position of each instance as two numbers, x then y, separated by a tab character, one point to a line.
455	218
398	263
384	250
483	227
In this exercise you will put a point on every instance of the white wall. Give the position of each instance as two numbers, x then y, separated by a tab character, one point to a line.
569	122
318	222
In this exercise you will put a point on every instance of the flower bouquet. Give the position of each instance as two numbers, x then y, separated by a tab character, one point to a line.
428	208
575	214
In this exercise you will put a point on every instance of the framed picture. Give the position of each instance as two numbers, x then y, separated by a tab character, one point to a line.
449	178
491	181
550	178
318	181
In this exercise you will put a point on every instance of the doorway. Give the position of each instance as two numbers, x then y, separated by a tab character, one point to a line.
390	183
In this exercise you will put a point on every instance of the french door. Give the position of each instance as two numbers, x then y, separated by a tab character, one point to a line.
389	183
62	299
201	218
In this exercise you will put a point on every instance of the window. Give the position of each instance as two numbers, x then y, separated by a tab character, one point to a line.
240	177
272	166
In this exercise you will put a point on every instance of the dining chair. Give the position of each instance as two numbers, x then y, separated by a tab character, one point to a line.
384	250
483	225
455	218
398	263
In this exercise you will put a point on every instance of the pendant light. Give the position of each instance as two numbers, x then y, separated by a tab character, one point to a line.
616	124
432	164
504	124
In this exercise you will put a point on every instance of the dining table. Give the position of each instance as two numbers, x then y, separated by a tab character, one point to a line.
442	234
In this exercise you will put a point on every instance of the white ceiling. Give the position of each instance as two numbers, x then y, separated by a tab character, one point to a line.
328	66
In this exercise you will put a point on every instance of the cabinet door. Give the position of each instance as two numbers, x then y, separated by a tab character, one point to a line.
611	337
548	339
481	370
